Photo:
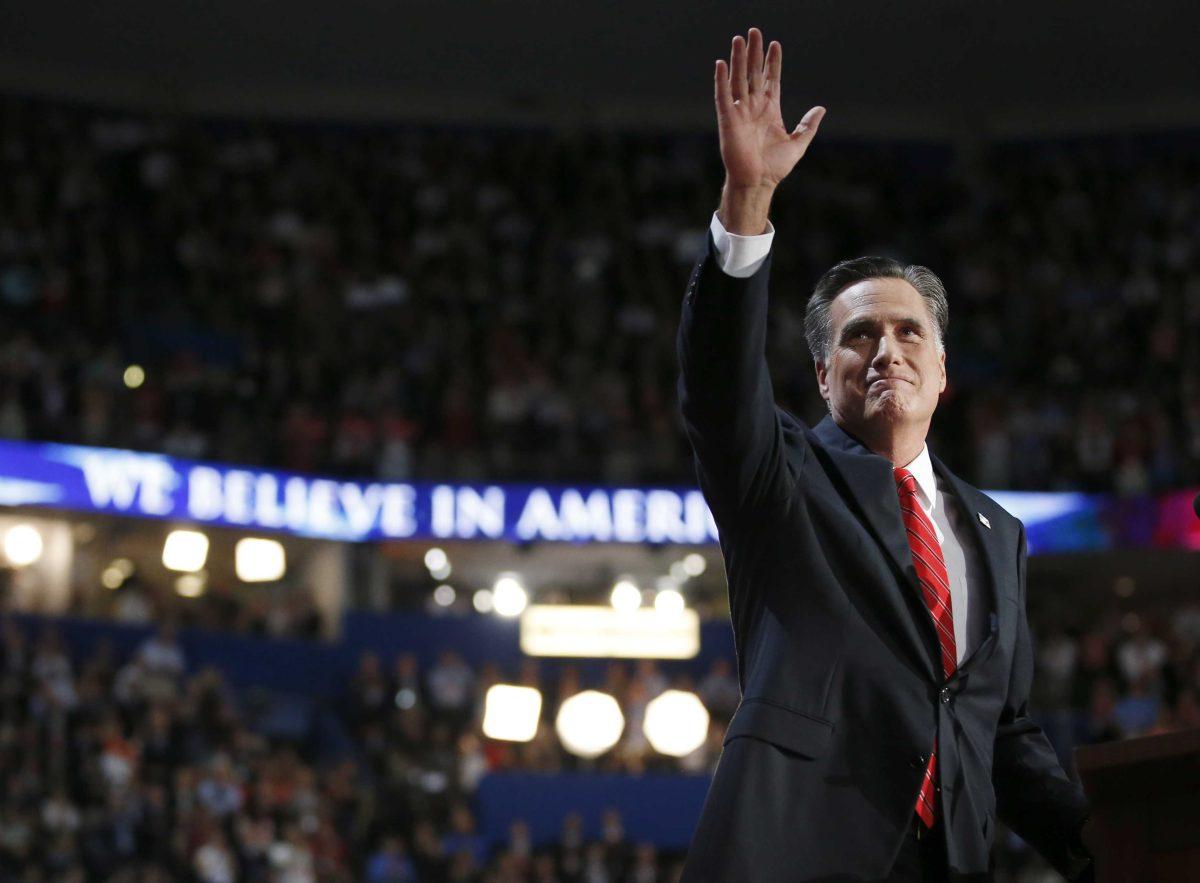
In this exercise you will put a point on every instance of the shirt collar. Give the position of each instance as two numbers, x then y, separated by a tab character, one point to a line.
922	470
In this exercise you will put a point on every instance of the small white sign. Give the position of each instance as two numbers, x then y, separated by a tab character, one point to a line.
602	632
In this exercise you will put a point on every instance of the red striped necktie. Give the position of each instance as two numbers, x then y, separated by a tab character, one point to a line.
935	587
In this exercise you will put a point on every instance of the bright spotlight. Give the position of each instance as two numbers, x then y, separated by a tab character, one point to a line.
435	559
678	572
483	600
135	376
668	601
508	596
626	596
589	723
259	560
676	723
444	595
185	550
694	564
23	544
511	712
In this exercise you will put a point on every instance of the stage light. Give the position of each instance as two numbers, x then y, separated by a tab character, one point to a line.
23	545
626	596
258	560
191	585
508	596
676	723
511	712
441	572
668	601
694	564
435	559
589	723
444	595
111	578
118	570
135	376
679	572
185	550
482	599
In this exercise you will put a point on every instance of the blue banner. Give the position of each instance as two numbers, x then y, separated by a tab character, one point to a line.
116	482
141	485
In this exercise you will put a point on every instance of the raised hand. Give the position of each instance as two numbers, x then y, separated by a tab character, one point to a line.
756	148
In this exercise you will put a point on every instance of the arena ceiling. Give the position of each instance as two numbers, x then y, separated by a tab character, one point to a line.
928	67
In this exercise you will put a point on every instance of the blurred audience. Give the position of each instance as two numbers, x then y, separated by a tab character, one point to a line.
406	303
118	767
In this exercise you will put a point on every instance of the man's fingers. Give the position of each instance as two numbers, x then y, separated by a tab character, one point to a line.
754	61
808	125
737	67
774	67
721	92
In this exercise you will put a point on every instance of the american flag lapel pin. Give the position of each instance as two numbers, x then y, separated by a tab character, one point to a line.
986	523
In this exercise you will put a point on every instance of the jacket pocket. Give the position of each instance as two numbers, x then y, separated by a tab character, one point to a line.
790	730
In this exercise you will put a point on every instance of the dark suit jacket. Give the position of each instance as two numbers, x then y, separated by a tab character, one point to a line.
838	657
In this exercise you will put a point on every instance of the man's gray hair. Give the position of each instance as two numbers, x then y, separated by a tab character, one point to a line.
818	315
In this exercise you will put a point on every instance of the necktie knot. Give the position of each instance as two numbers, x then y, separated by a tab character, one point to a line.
906	482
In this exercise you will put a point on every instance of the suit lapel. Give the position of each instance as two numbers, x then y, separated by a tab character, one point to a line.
988	540
869	479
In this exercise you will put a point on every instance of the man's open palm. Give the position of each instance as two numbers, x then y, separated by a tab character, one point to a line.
756	148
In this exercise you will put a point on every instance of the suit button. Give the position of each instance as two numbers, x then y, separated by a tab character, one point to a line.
945	694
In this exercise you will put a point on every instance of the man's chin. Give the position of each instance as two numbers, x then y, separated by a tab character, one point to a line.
888	409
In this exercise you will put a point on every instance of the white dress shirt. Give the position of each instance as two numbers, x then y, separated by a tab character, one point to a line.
741	256
961	558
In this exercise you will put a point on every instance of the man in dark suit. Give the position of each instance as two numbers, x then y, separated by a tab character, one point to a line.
877	600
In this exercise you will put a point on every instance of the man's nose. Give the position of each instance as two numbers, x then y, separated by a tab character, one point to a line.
885	351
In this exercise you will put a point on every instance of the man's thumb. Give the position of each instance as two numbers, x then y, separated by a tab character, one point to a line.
807	127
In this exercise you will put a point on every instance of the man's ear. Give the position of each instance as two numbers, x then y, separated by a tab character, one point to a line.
942	365
822	376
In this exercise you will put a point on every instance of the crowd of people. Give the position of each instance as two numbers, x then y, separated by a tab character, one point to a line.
408	303
140	768
135	769
278	611
411	304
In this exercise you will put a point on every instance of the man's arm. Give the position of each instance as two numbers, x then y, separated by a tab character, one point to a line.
1034	796
740	256
725	391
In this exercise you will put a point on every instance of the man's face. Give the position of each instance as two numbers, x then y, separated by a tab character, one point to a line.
883	365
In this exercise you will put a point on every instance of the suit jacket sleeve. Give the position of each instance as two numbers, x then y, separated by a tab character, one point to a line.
1034	796
725	392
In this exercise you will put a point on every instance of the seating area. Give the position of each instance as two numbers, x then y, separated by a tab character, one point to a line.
195	754
410	304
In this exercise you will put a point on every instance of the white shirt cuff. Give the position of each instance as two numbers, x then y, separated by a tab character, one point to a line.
740	256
